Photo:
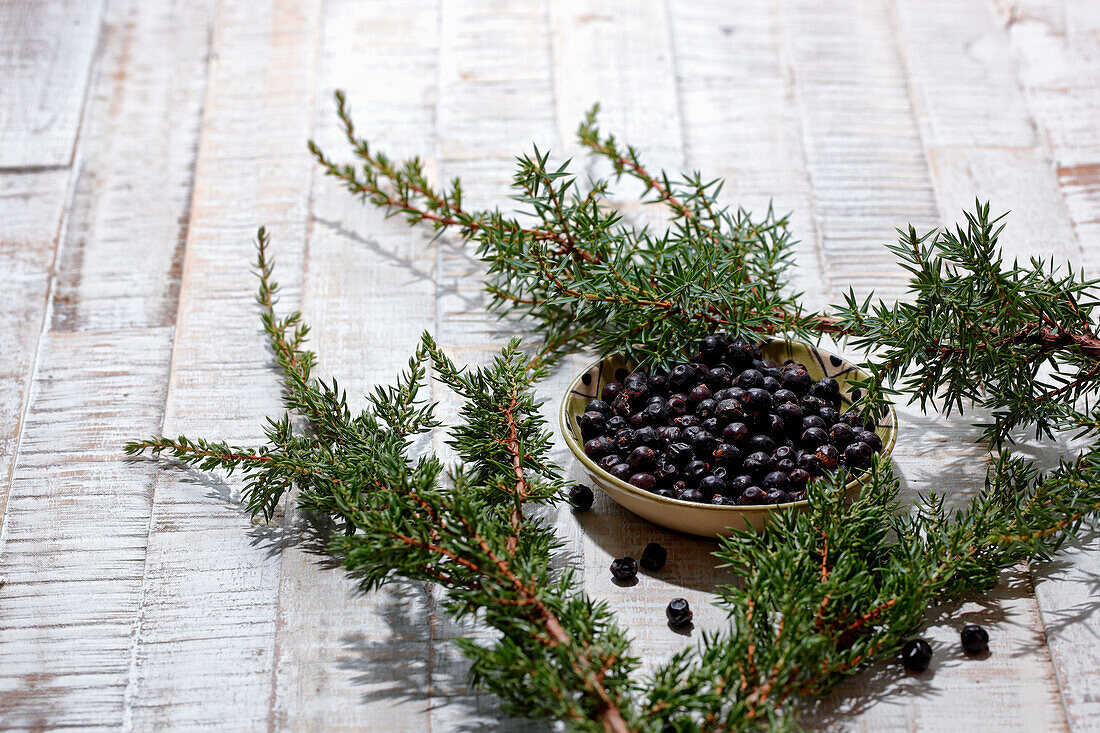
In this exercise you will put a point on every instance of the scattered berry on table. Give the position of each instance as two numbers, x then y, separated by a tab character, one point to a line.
580	496
916	654
727	427
654	557
624	568
975	639
678	612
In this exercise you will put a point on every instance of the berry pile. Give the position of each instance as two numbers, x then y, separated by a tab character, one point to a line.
729	427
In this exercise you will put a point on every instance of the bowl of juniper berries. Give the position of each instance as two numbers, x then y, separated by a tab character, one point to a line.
726	440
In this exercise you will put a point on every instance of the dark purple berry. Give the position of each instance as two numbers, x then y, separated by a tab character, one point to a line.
756	401
813	421
682	377
799	478
647	436
826	389
783	452
704	444
722	500
771	384
598	406
711	425
814	437
580	497
783	396
828	456
841	434
667	435
698	394
693	495
871	439
624	569
790	412
706	409
694	471
678	613
808	462
975	639
666	493
719	377
710	485
858	455
758	464
621	471
752	496
810	405
735	432
642	457
761	443
726	455
666	473
797	381
599	447
609	460
797	495
644	481
626	439
654	557
677	405
679	454
916	655
616	423
776	480
829	415
750	378
655	414
786	465
686	421
610	391
658	384
592	424
737	485
729	411
777	496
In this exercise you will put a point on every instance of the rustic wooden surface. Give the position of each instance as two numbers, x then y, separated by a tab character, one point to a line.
141	144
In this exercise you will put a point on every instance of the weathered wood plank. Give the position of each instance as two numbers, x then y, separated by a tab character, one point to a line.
45	65
76	527
204	645
1058	64
31	210
495	100
342	657
77	524
862	146
635	82
128	223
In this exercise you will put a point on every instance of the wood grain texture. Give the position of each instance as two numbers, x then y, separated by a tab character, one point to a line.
637	87
128	221
370	291
142	598
31	210
205	641
45	63
76	528
1057	60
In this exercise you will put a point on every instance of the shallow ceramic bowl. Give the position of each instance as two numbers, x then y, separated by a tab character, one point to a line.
708	520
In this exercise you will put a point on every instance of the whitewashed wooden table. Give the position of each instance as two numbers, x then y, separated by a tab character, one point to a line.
142	143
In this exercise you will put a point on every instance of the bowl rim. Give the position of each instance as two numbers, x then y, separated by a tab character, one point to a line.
578	452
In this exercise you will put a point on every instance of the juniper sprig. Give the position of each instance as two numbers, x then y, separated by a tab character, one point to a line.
817	597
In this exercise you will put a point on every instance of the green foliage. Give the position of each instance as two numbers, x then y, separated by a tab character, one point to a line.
581	273
1017	340
821	594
